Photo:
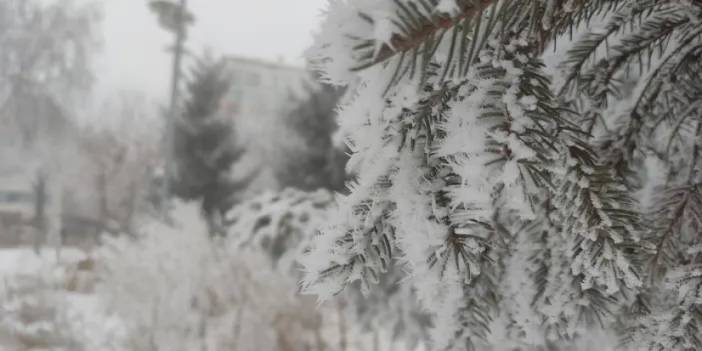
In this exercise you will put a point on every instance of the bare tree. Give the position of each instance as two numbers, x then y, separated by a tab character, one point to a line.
45	53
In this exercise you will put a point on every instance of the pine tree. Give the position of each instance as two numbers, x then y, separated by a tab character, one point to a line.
205	146
318	163
508	189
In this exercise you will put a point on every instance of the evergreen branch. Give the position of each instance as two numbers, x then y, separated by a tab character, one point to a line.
586	49
680	200
664	69
681	205
400	43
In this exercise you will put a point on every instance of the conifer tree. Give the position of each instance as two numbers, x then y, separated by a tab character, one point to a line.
510	190
205	146
318	163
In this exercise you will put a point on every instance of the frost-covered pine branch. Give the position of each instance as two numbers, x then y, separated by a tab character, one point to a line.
468	160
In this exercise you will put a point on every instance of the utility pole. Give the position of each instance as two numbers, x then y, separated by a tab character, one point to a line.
175	18
178	48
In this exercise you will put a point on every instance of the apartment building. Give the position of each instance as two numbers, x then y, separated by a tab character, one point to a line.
260	96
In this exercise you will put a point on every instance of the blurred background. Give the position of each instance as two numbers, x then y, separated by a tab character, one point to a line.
163	165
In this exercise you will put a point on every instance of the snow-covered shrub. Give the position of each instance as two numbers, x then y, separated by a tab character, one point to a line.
177	288
278	226
279	223
284	225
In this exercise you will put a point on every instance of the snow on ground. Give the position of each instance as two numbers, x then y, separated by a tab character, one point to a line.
18	261
45	302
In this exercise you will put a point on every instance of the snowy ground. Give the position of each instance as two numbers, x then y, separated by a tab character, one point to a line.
19	261
46	303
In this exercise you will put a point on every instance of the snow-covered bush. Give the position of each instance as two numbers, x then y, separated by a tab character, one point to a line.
177	288
279	224
284	225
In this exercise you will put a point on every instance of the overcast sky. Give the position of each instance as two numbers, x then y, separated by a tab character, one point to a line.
134	56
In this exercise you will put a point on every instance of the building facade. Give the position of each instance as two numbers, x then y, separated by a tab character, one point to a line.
261	94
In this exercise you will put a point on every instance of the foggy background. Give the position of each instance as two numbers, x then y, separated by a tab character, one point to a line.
133	55
133	219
